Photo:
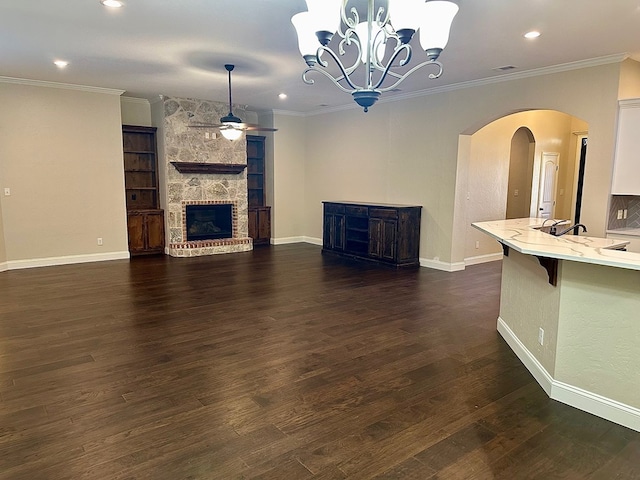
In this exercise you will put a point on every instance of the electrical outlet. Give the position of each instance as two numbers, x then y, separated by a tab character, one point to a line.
541	336
624	213
516	192
99	240
619	214
477	244
7	192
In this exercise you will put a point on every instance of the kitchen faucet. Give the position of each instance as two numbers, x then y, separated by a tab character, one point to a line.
575	227
552	228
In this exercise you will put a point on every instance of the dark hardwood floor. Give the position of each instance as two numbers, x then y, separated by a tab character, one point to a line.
277	364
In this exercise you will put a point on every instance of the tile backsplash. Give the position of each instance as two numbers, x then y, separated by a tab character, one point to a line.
631	204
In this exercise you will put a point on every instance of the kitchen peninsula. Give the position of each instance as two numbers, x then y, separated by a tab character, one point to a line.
570	310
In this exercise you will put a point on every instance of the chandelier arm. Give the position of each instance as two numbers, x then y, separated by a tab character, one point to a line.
345	73
385	38
382	21
310	81
348	21
402	48
348	40
407	74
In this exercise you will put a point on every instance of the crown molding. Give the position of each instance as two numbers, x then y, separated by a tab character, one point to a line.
507	77
289	113
65	86
138	101
629	103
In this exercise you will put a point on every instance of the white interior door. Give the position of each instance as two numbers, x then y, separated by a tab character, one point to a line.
548	177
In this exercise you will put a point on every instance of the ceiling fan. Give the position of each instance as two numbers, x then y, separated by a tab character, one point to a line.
230	126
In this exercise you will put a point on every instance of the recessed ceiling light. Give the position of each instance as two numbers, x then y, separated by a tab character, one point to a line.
282	96
61	63
532	34
111	3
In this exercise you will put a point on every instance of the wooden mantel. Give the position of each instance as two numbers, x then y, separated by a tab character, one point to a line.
202	167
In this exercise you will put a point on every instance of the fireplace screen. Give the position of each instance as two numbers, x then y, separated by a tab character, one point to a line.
209	222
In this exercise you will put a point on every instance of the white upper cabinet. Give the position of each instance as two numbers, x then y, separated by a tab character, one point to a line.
626	170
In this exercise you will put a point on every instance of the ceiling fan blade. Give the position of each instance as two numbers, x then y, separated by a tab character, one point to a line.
258	128
205	125
238	126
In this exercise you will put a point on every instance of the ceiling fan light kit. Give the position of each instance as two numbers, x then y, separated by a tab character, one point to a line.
394	19
230	126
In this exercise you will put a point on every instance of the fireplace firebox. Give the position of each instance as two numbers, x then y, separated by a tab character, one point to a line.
209	222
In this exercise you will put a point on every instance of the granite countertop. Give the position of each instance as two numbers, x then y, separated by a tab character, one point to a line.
521	235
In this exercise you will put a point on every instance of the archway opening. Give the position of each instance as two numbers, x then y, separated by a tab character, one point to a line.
510	151
520	173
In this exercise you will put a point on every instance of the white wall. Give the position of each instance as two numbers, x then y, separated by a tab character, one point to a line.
61	151
286	178
135	111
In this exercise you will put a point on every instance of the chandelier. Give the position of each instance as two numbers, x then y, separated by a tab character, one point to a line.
399	21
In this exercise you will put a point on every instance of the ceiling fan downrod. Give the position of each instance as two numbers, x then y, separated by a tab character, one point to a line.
231	117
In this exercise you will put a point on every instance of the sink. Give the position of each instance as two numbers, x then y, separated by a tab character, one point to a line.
545	229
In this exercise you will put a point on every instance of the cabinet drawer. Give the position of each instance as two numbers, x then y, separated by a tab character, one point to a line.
356	210
333	208
383	213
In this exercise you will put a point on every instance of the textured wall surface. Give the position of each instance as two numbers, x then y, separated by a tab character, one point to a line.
599	331
528	302
183	143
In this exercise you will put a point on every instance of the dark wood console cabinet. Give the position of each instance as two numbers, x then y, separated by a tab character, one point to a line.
384	233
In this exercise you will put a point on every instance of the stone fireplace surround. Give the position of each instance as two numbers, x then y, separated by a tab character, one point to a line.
184	144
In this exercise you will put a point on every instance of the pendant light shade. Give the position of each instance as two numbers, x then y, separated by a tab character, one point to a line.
435	25
231	133
325	15
405	14
305	28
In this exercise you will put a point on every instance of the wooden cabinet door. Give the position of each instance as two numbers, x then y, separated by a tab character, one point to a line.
154	231
135	228
388	240
333	231
382	239
260	225
146	232
264	224
253	223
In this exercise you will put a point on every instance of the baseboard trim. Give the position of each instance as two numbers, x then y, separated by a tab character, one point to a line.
312	240
4	267
491	257
526	357
590	402
66	260
444	266
286	240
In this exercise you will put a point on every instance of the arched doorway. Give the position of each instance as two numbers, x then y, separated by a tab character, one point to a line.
521	159
484	189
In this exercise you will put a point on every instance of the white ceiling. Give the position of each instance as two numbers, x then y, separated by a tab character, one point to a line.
179	47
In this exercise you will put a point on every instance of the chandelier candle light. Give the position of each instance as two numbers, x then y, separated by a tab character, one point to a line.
398	21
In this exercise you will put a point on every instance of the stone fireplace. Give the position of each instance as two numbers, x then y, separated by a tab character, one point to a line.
219	182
